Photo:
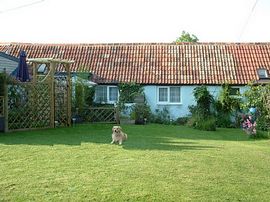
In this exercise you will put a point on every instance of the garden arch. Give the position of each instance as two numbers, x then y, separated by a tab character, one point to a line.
44	102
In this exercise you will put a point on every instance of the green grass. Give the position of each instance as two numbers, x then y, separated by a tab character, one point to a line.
157	163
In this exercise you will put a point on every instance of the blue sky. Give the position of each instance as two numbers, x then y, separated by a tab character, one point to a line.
133	21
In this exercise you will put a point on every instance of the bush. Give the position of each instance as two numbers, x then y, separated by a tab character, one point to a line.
141	113
208	124
257	96
226	107
161	116
202	117
261	135
182	120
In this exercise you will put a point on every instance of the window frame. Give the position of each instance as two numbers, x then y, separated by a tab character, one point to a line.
168	102
108	101
108	94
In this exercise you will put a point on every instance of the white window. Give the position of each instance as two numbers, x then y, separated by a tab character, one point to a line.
106	94
113	94
101	94
169	95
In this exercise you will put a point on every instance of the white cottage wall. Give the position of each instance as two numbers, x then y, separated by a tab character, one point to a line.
187	98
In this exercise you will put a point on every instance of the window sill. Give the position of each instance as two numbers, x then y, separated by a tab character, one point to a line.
169	104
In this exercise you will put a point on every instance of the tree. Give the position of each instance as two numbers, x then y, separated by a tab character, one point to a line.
186	37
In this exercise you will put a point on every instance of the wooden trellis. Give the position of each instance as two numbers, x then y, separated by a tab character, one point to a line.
101	114
45	102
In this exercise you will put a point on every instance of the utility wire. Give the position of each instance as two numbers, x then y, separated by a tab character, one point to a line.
248	19
22	6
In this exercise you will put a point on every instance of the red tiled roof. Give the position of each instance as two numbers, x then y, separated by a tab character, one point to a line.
184	63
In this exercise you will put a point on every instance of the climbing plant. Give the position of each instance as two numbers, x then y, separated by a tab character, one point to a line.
128	92
226	107
202	117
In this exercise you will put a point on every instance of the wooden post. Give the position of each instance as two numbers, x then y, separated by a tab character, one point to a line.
35	72
117	115
52	119
69	94
5	102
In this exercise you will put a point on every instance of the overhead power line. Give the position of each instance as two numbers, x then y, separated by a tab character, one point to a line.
248	19
21	6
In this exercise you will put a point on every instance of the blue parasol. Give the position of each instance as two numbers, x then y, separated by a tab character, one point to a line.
22	69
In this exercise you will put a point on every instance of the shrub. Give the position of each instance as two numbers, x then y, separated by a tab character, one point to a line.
161	116
226	107
202	117
208	124
141	112
182	120
261	135
128	92
258	97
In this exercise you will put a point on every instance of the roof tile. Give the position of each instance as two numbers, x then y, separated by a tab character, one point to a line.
183	63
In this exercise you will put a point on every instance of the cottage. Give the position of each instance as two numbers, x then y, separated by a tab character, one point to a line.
168	72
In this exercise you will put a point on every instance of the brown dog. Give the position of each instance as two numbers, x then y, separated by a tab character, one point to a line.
118	135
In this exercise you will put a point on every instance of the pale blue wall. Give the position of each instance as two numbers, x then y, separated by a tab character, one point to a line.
179	110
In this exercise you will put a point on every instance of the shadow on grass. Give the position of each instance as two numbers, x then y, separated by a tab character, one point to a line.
149	137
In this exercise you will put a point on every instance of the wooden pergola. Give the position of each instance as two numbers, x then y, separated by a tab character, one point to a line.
49	80
52	64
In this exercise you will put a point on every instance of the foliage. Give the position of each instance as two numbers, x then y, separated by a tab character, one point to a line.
2	79
226	106
182	120
89	94
128	92
79	101
84	97
161	116
141	113
258	96
208	124
204	100
186	37
202	117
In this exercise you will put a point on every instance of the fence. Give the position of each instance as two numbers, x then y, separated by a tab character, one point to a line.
100	114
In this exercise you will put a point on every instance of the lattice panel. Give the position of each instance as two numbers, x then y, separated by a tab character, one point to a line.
98	114
61	105
1	106
28	105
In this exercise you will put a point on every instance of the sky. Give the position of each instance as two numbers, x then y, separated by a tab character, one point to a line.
133	21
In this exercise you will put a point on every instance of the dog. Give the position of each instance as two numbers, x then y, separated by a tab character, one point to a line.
118	135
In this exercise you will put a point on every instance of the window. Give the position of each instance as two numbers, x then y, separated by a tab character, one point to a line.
169	95
163	95
262	73
106	94
101	94
175	94
113	94
234	91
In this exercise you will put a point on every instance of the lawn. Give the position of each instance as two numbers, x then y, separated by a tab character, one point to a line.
157	163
